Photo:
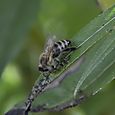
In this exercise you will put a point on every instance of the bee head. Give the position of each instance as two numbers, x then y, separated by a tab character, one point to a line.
42	69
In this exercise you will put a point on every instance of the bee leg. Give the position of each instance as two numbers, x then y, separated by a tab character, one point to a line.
66	57
46	74
56	63
51	69
69	49
64	61
59	64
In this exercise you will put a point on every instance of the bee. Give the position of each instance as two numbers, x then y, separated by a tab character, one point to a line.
54	55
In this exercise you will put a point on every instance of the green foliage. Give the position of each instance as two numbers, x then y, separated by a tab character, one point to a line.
97	45
62	18
16	18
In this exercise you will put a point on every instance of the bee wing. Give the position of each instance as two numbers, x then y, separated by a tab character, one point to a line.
50	42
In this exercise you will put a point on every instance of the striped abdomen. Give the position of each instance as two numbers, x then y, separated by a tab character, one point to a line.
60	46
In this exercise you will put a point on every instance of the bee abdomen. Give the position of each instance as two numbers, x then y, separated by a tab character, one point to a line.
62	44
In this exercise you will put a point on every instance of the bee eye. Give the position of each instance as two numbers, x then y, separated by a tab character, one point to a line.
42	69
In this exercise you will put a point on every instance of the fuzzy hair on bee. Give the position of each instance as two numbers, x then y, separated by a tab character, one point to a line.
54	52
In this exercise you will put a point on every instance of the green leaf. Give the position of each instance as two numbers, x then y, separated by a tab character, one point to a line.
16	18
96	44
102	102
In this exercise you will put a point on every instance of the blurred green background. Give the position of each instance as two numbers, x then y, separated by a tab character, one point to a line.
25	26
